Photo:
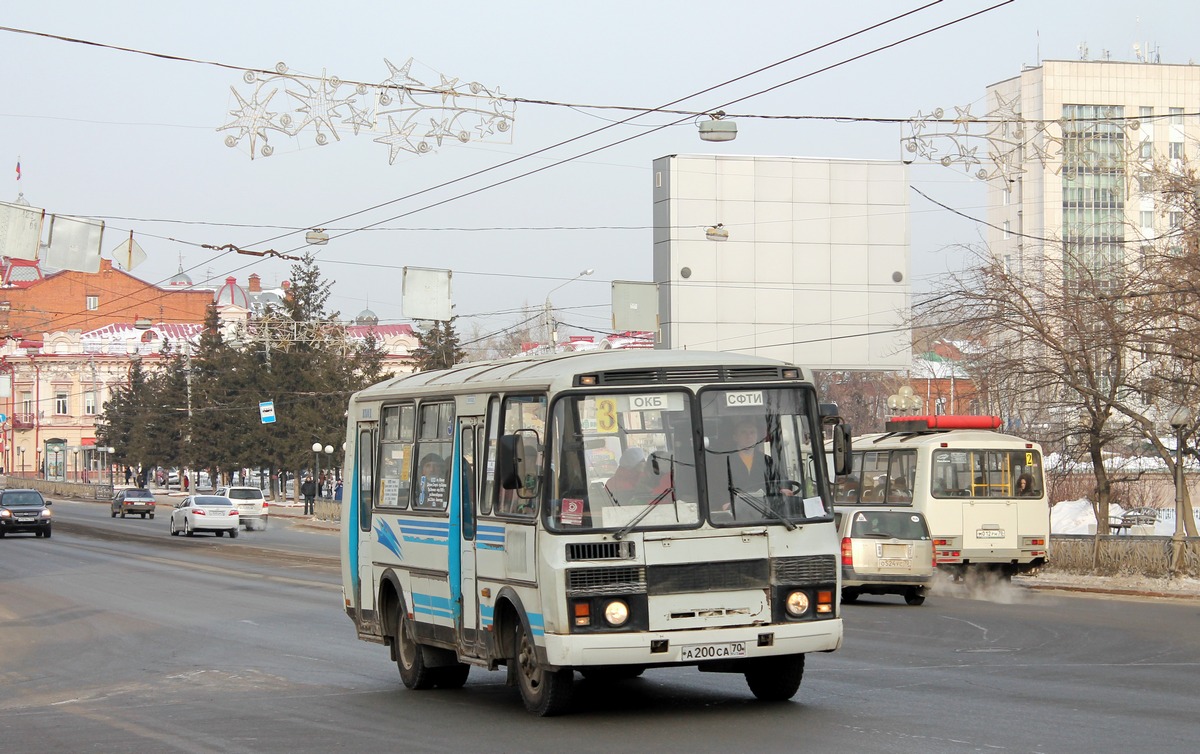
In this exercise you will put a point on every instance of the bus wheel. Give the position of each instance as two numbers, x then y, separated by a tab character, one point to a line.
775	679
545	692
453	677
849	595
915	596
408	655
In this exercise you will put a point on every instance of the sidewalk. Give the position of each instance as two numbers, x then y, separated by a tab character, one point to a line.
1134	586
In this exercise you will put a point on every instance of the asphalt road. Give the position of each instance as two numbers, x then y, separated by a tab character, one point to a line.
115	637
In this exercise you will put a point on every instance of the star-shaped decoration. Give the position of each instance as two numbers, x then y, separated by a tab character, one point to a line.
447	90
320	106
439	131
397	139
360	119
251	118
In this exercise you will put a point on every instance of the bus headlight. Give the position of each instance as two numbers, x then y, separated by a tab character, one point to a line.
616	613
797	604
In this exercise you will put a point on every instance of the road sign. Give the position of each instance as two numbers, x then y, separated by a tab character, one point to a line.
3	418
266	411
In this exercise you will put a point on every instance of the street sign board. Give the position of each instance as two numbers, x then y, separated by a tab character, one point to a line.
266	411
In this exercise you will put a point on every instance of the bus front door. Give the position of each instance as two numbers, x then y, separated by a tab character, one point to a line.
470	638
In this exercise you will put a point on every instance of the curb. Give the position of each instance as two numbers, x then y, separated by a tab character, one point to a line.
1116	592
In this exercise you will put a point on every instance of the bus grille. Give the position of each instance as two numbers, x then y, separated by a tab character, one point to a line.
680	375
806	571
600	550
722	576
610	580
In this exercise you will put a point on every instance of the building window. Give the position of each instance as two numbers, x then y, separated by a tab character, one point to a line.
1147	150
93	303
1176	114
1007	229
1175	150
1175	219
27	403
60	403
1147	218
1145	112
89	403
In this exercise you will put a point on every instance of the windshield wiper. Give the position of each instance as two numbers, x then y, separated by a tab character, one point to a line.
744	496
670	490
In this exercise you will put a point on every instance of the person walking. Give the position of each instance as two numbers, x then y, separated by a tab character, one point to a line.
309	490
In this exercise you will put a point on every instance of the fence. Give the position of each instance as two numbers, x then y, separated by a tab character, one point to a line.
52	489
1121	555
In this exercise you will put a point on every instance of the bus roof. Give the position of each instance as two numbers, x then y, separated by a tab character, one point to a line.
958	437
622	367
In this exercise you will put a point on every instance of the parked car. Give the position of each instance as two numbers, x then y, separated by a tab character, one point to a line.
24	510
133	501
215	513
251	505
885	551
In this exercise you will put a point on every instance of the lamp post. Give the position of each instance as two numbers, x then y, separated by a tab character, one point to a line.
1181	419
905	400
75	453
108	459
551	330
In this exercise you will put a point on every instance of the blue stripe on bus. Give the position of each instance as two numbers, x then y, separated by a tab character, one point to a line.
428	604
487	618
387	538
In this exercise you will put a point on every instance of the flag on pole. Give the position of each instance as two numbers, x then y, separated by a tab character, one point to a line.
18	168
129	254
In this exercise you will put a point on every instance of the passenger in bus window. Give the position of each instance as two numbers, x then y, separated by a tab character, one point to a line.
629	476
750	469
1025	486
899	491
432	490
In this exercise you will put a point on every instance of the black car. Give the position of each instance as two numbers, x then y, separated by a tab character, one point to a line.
24	510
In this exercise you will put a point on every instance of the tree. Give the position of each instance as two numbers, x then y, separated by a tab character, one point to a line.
438	347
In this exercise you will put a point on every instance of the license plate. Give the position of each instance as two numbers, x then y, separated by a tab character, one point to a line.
989	534
894	563
713	651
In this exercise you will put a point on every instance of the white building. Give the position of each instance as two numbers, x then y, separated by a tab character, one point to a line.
1111	119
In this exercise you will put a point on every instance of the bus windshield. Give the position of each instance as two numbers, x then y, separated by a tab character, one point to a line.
623	461
759	457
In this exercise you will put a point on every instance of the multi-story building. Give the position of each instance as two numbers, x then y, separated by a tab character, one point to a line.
1077	143
69	339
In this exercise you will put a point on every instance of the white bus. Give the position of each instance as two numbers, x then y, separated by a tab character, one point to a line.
593	512
982	492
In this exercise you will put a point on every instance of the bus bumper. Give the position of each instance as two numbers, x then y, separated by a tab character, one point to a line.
691	647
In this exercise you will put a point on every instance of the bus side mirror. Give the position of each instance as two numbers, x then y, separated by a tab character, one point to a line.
842	459
517	459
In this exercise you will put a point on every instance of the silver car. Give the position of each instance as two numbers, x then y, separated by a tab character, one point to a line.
215	513
885	551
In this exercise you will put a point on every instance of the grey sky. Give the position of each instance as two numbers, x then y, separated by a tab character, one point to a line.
115	134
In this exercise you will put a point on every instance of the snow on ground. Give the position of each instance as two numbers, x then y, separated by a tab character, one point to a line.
1077	517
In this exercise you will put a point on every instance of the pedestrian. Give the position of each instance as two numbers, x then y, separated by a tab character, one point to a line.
309	490
186	483
128	474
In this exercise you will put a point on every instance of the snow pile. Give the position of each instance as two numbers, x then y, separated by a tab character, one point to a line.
1077	517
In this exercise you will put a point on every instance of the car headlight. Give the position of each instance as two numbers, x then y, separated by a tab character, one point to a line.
5	513
797	604
616	613
45	513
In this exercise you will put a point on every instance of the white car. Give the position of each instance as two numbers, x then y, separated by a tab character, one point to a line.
251	505
215	513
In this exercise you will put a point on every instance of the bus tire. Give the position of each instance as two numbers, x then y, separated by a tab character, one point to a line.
452	677
545	692
409	658
849	596
775	679
914	596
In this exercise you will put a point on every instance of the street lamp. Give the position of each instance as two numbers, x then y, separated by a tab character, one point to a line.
1181	419
551	330
76	454
905	400
108	459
